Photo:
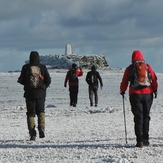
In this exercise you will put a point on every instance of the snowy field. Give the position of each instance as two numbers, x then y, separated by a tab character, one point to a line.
81	134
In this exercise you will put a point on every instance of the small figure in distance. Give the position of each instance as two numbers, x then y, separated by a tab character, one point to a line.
73	81
92	79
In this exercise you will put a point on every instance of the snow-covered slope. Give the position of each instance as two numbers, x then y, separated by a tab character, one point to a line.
79	134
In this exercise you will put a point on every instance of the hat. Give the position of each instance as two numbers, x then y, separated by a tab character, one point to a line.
34	57
93	68
74	65
137	55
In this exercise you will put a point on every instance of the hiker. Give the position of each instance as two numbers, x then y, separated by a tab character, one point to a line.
92	79
35	78
72	78
143	87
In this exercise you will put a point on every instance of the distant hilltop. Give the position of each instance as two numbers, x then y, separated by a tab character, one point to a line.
65	61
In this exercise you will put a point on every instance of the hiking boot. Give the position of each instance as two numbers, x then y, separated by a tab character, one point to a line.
32	134
41	134
145	143
91	104
74	105
95	105
139	144
41	124
33	138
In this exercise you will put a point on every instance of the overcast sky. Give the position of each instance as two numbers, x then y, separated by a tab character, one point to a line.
114	28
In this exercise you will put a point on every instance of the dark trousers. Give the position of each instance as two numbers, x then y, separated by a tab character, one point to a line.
35	106
93	91
73	94
140	106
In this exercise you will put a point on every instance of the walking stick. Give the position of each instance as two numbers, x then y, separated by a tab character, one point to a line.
124	118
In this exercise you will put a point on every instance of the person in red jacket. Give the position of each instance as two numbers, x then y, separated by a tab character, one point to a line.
141	100
73	83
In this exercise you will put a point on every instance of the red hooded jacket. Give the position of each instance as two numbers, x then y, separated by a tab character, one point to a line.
137	55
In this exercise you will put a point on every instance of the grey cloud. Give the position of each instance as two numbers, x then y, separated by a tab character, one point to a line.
106	26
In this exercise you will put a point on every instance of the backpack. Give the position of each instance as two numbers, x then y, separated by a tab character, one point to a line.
140	76
72	75
33	76
93	78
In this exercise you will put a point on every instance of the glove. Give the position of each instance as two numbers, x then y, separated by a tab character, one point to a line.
65	85
155	94
122	93
20	81
101	87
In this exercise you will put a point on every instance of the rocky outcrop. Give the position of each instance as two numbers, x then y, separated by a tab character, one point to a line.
65	61
98	60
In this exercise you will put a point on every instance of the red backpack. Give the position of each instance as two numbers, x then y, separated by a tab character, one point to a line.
140	76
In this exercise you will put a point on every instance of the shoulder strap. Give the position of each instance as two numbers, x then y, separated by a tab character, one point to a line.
131	69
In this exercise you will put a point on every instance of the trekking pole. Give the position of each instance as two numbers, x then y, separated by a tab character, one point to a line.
124	118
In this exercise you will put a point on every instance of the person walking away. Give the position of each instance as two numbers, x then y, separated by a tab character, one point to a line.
73	81
35	78
143	84
92	79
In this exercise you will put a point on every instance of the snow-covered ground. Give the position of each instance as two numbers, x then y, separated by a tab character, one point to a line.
77	134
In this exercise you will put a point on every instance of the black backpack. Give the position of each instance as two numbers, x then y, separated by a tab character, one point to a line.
72	75
33	76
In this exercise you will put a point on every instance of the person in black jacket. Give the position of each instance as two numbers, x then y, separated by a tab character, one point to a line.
35	96
92	79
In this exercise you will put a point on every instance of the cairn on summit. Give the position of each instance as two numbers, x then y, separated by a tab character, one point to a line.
68	49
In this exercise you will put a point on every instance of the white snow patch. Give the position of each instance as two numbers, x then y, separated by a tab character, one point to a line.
77	134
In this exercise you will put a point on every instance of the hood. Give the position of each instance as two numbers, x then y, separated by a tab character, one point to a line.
34	58
74	65
137	55
93	68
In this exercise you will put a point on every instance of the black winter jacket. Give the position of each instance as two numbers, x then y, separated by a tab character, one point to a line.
96	76
39	92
